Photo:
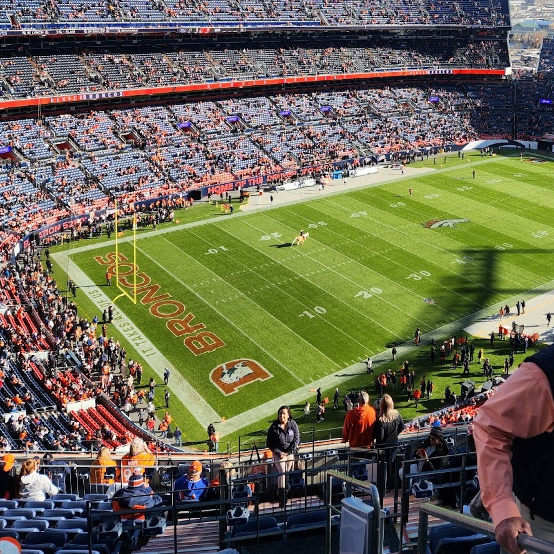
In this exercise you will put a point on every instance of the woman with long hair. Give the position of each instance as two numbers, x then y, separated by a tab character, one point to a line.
389	425
283	439
98	480
32	484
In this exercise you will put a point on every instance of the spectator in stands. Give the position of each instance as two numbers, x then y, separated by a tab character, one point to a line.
514	441
389	425
191	486
99	466
138	457
283	439
8	482
32	484
136	495
59	471
359	423
432	451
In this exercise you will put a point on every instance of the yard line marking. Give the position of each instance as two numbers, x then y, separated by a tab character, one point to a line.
306	253
274	285
392	261
485	209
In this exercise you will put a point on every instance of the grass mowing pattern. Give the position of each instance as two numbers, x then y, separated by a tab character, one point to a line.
361	282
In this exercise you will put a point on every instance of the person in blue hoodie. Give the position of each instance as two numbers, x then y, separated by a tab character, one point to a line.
191	486
137	495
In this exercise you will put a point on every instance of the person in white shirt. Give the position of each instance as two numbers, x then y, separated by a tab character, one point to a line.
32	484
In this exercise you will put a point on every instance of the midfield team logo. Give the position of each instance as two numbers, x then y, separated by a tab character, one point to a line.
436	223
230	376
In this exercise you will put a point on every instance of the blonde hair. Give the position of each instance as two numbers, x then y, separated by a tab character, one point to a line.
387	413
28	467
104	452
137	446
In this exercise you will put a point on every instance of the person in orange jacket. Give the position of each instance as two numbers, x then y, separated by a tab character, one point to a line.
99	466
138	457
359	423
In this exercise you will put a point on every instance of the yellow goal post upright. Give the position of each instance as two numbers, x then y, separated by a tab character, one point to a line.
124	292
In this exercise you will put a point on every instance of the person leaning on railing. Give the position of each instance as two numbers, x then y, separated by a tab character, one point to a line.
514	438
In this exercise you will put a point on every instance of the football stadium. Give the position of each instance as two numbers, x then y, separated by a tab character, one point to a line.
270	272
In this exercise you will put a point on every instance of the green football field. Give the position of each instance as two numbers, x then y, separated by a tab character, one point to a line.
244	318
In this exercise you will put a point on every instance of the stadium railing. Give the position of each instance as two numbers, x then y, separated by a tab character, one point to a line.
528	542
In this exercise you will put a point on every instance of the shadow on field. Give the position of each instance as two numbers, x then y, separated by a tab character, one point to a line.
361	372
284	245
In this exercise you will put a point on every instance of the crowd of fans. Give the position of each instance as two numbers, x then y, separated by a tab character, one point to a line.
170	64
227	12
546	60
38	326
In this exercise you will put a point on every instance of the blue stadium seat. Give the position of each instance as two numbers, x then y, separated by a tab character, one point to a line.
104	505
104	546
296	521
78	507
452	539
29	525
72	551
488	548
73	526
95	498
48	541
9	533
265	524
9	504
60	498
39	505
98	547
18	513
57	514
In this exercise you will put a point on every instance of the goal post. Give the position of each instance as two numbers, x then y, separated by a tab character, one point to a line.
125	291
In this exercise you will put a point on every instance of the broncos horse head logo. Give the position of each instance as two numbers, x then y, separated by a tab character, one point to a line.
230	376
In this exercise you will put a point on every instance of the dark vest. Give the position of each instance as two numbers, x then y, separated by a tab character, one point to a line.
532	460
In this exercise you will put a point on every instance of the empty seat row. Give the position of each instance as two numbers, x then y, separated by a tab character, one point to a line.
57	500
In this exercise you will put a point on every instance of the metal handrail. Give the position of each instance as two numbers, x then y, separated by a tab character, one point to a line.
479	526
